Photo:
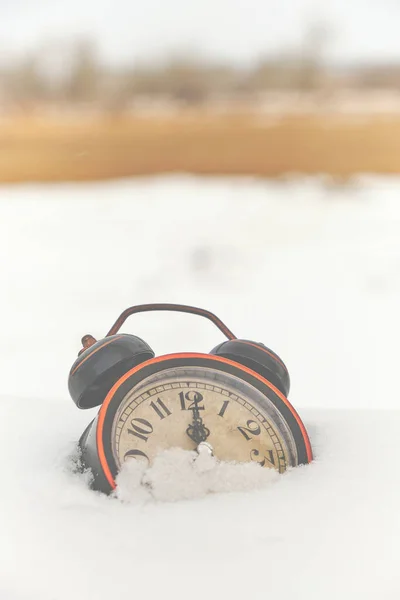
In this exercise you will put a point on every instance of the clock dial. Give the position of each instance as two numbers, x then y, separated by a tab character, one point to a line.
244	423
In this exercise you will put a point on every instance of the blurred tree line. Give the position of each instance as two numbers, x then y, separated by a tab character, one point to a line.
72	74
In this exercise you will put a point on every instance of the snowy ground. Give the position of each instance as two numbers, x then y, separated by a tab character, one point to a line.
311	270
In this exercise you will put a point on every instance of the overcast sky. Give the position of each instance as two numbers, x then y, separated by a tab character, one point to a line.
233	30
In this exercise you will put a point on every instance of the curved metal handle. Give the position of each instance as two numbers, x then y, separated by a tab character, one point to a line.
171	307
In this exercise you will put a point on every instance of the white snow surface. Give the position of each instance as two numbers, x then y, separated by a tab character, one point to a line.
310	269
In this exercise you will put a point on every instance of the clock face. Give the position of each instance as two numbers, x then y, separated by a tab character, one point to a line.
159	404
243	421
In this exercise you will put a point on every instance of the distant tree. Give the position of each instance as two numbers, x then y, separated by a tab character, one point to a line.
311	56
299	68
83	83
378	77
185	80
24	83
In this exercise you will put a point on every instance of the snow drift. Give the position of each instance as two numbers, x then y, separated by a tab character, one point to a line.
312	271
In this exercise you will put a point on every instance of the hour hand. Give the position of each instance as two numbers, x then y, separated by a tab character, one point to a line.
197	431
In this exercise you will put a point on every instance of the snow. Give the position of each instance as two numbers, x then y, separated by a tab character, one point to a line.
182	475
307	267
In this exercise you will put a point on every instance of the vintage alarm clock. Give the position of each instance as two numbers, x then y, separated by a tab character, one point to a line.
233	399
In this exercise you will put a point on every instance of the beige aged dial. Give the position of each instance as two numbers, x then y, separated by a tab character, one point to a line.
243	424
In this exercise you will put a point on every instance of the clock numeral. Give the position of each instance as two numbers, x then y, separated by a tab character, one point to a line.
141	432
161	409
135	454
223	408
255	455
252	428
194	398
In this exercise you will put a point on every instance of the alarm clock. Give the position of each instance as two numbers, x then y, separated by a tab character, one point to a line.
233	399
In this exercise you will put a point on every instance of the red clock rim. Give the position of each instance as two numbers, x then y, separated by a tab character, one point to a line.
121	380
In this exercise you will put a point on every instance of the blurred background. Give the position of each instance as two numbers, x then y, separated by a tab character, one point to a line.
240	155
111	89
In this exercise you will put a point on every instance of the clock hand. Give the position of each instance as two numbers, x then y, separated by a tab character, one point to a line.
197	431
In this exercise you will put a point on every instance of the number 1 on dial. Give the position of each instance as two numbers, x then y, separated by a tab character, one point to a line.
223	408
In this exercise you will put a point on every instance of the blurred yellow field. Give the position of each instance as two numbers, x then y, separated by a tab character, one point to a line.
248	144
